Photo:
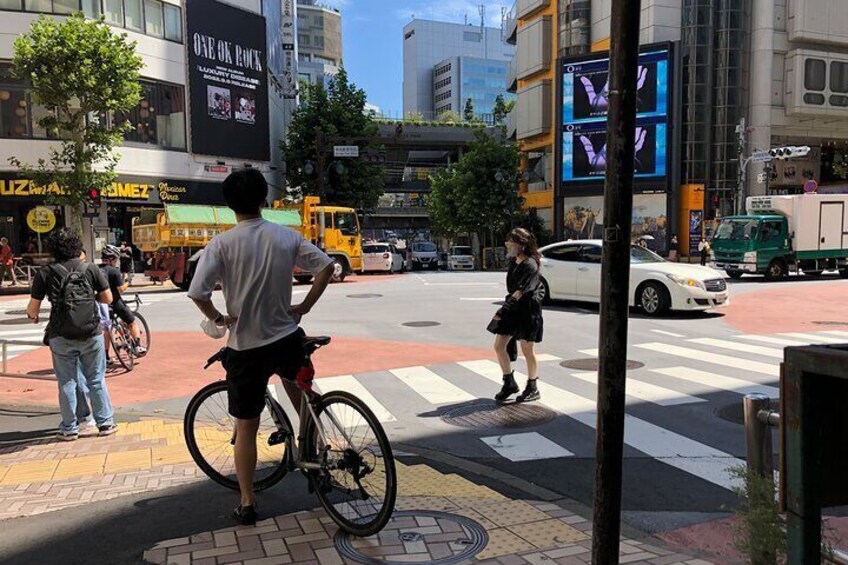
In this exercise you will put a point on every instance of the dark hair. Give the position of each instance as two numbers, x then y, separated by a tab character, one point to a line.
245	191
528	244
65	244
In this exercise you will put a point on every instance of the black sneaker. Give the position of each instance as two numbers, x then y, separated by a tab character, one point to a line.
245	515
107	430
509	388
531	393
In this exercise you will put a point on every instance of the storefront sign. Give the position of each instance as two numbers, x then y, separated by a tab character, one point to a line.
41	219
125	189
289	71
228	81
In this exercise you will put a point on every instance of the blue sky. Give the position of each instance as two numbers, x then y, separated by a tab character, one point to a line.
372	33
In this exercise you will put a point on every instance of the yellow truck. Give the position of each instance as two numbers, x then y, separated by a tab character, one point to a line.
172	240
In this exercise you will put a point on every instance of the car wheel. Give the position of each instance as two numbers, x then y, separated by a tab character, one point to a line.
546	292
735	275
654	299
776	270
339	272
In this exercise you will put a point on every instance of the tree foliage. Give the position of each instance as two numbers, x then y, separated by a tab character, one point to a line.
499	110
332	114
468	112
479	193
80	72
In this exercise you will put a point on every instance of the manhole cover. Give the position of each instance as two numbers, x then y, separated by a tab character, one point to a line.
593	364
24	312
735	414
487	414
417	536
422	324
364	295
830	323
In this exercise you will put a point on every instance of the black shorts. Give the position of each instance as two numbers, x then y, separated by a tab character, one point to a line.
123	311
248	372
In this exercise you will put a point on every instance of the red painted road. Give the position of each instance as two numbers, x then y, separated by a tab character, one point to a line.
174	369
782	308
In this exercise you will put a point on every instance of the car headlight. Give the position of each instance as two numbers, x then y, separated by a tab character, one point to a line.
685	281
750	257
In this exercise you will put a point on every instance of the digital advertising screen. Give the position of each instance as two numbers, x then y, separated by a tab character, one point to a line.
585	106
584	151
228	81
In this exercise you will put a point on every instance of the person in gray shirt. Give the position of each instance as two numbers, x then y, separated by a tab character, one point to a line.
254	262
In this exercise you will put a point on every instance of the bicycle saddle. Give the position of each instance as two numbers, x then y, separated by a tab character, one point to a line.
311	344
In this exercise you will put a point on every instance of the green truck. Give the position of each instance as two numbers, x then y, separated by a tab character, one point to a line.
783	234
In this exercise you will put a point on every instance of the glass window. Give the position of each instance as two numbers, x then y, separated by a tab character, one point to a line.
347	223
10	4
132	15
91	8
591	254
639	254
13	112
813	98
38	5
153	19
838	76
66	6
39	112
113	11
815	71
159	119
838	100
563	253
173	23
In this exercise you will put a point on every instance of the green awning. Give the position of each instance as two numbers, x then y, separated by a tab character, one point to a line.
218	215
289	218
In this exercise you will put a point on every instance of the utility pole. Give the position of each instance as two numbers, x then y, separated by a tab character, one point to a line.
615	274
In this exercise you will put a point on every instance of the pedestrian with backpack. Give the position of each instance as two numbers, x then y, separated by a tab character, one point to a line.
74	288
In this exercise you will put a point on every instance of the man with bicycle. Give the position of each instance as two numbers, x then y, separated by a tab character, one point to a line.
111	258
254	262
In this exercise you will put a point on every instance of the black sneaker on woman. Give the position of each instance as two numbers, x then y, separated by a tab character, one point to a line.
509	388
245	515
531	392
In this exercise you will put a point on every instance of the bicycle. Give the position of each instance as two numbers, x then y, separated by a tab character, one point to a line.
340	447
120	336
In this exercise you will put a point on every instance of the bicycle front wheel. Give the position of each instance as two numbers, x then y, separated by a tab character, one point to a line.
210	436
357	484
144	329
119	338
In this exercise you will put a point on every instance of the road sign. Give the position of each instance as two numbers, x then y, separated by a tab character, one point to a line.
41	219
810	186
346	151
761	157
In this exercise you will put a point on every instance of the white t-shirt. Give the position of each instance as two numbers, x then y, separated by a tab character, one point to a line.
254	262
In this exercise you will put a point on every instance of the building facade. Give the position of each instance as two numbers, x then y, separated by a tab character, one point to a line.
319	42
444	64
752	75
189	130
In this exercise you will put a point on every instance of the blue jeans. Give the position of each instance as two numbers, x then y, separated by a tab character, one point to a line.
75	362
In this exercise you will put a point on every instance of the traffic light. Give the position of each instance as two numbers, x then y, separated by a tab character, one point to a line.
94	198
789	152
374	158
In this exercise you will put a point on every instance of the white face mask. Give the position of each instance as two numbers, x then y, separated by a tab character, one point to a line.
512	249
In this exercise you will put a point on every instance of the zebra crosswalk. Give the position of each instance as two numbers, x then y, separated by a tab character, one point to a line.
671	402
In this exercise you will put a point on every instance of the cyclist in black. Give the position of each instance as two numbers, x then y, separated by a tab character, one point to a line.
111	260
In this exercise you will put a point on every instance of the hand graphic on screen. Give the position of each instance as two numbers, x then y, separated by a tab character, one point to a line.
598	161
641	136
599	101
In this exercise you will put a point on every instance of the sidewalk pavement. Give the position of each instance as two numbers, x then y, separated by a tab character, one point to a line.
140	283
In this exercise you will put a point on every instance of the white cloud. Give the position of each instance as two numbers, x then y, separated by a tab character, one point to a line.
453	11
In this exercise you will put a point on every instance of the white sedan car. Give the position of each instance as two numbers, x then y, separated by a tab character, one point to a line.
381	257
572	271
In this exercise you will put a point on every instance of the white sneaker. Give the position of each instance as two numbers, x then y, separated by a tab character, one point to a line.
88	428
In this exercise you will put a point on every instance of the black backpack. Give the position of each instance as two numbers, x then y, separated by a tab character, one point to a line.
74	313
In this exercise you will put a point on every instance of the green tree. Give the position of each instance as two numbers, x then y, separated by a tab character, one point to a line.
499	110
81	73
450	118
329	117
468	112
479	193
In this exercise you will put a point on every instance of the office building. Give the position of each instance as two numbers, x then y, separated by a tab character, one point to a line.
319	41
445	64
190	128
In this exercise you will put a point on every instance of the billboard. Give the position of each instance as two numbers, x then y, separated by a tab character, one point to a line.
228	81
584	218
585	103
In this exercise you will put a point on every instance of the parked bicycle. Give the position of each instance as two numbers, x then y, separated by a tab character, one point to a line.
340	447
120	338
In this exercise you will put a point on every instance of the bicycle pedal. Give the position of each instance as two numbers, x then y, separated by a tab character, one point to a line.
277	438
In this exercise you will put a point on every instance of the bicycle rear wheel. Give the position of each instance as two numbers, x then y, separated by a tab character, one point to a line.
119	338
145	336
210	436
358	484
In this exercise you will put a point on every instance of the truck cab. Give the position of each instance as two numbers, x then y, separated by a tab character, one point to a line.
753	244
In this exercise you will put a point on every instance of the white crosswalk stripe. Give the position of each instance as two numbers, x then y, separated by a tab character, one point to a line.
771	340
813	338
431	386
740	347
646	391
525	447
713	358
841	335
664	445
712	381
350	384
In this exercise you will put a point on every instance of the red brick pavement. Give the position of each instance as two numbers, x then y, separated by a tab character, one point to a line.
790	308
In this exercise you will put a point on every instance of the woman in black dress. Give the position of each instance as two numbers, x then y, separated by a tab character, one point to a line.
520	318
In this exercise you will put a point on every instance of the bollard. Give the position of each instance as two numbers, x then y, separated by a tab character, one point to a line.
757	435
